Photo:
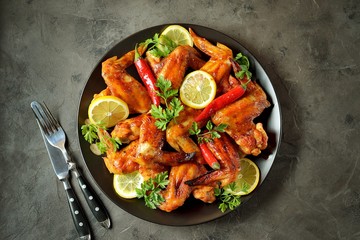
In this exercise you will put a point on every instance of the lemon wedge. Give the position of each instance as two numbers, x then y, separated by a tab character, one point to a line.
198	89
125	184
107	111
247	178
178	34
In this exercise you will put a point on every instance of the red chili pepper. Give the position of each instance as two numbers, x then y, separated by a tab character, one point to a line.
147	77
209	156
220	102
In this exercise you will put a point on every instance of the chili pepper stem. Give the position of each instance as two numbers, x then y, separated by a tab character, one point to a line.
215	166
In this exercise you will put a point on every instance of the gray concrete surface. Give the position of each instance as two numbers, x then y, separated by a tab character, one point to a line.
310	49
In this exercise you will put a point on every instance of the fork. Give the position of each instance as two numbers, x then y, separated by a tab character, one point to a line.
56	136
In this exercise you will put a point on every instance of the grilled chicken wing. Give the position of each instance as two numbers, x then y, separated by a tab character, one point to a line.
226	153
239	117
174	66
219	64
177	133
125	161
204	193
123	85
151	142
177	191
122	161
129	129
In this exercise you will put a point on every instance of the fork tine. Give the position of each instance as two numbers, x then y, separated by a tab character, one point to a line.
55	124
40	116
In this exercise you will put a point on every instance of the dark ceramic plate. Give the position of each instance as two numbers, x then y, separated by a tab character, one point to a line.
193	211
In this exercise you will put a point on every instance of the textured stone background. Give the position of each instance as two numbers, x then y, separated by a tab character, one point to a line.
310	49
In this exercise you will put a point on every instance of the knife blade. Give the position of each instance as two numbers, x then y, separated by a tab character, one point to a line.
61	169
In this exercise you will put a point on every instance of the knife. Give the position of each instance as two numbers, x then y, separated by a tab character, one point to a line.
58	142
61	169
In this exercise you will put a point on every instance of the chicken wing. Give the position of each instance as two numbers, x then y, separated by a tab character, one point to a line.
151	142
123	85
177	191
219	64
122	161
177	133
125	161
239	117
174	66
204	193
129	129
226	153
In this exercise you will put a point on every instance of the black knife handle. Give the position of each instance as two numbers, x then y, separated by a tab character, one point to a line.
94	202
80	221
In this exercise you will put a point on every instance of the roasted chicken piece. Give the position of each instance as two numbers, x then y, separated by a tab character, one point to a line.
177	191
219	64
177	133
239	117
128	129
174	66
225	151
122	161
204	193
151	142
125	161
123	85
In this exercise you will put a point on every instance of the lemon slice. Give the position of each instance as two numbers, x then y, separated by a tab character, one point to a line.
107	111
125	184
247	179
178	34
198	89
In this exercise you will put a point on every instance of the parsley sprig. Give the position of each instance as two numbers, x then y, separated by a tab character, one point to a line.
211	133
150	190
173	105
162	46
91	134
227	198
244	63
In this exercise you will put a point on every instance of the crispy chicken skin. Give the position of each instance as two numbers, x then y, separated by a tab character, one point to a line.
122	161
177	133
227	154
239	117
204	193
128	129
219	64
174	66
151	142
177	191
123	85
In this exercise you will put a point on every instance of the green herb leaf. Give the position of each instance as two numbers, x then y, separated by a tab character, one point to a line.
90	133
101	146
173	105
211	133
242	60
227	200
244	63
221	127
162	46
150	190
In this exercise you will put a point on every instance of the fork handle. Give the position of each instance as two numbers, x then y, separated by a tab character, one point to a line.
80	221
95	204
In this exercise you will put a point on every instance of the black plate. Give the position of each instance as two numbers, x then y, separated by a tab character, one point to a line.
193	211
